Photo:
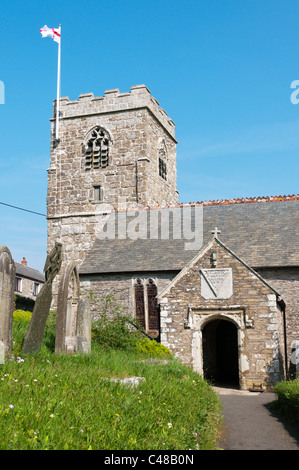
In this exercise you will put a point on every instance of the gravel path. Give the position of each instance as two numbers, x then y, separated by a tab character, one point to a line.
250	424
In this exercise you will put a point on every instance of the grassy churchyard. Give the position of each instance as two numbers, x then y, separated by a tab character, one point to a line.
59	401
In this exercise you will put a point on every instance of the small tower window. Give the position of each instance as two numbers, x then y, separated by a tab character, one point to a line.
97	149
97	193
162	169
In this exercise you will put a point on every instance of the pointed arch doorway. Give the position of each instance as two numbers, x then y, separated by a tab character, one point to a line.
220	353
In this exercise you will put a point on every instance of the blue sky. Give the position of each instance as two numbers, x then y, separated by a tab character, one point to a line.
222	70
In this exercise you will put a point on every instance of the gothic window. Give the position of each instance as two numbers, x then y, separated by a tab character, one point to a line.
97	149
152	305
146	305
162	169
139	303
162	154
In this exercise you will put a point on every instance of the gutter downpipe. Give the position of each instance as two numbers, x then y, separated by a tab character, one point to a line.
282	305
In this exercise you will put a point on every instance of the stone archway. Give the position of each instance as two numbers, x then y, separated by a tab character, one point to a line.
220	352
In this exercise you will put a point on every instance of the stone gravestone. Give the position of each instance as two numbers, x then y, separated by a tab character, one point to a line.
73	323
7	282
34	336
84	326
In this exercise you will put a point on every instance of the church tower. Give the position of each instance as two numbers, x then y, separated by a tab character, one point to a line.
115	151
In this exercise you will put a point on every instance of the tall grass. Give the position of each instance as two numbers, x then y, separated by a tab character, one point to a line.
50	401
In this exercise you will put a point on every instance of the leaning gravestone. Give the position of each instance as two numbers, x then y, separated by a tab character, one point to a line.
73	322
7	280
34	336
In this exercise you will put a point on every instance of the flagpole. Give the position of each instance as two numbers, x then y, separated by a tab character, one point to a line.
58	88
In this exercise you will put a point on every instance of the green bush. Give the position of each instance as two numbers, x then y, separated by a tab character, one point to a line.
114	328
152	348
118	330
22	315
288	399
24	303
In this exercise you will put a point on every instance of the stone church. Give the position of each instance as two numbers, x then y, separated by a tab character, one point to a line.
215	281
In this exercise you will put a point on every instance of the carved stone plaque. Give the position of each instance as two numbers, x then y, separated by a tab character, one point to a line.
216	283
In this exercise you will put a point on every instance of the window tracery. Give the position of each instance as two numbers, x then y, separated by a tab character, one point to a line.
162	169
162	154
97	149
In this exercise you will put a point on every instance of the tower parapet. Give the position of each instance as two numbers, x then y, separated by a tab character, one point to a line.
113	101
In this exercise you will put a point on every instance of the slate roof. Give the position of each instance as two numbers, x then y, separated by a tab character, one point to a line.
262	234
30	273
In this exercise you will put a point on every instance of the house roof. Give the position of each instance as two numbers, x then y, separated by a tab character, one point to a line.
25	271
263	232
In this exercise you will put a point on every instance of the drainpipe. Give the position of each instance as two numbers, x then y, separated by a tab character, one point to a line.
282	305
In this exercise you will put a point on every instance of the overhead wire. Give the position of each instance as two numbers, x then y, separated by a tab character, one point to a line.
22	209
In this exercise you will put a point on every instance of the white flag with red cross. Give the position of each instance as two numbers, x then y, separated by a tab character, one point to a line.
50	32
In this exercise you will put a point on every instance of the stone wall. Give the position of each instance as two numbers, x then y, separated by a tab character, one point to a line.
252	307
286	282
121	286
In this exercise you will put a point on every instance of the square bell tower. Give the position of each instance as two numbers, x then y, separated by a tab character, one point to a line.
116	150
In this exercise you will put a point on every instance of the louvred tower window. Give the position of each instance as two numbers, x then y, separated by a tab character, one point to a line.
97	149
162	169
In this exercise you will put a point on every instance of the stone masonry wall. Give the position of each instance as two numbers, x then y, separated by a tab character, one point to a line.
121	286
252	307
286	282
